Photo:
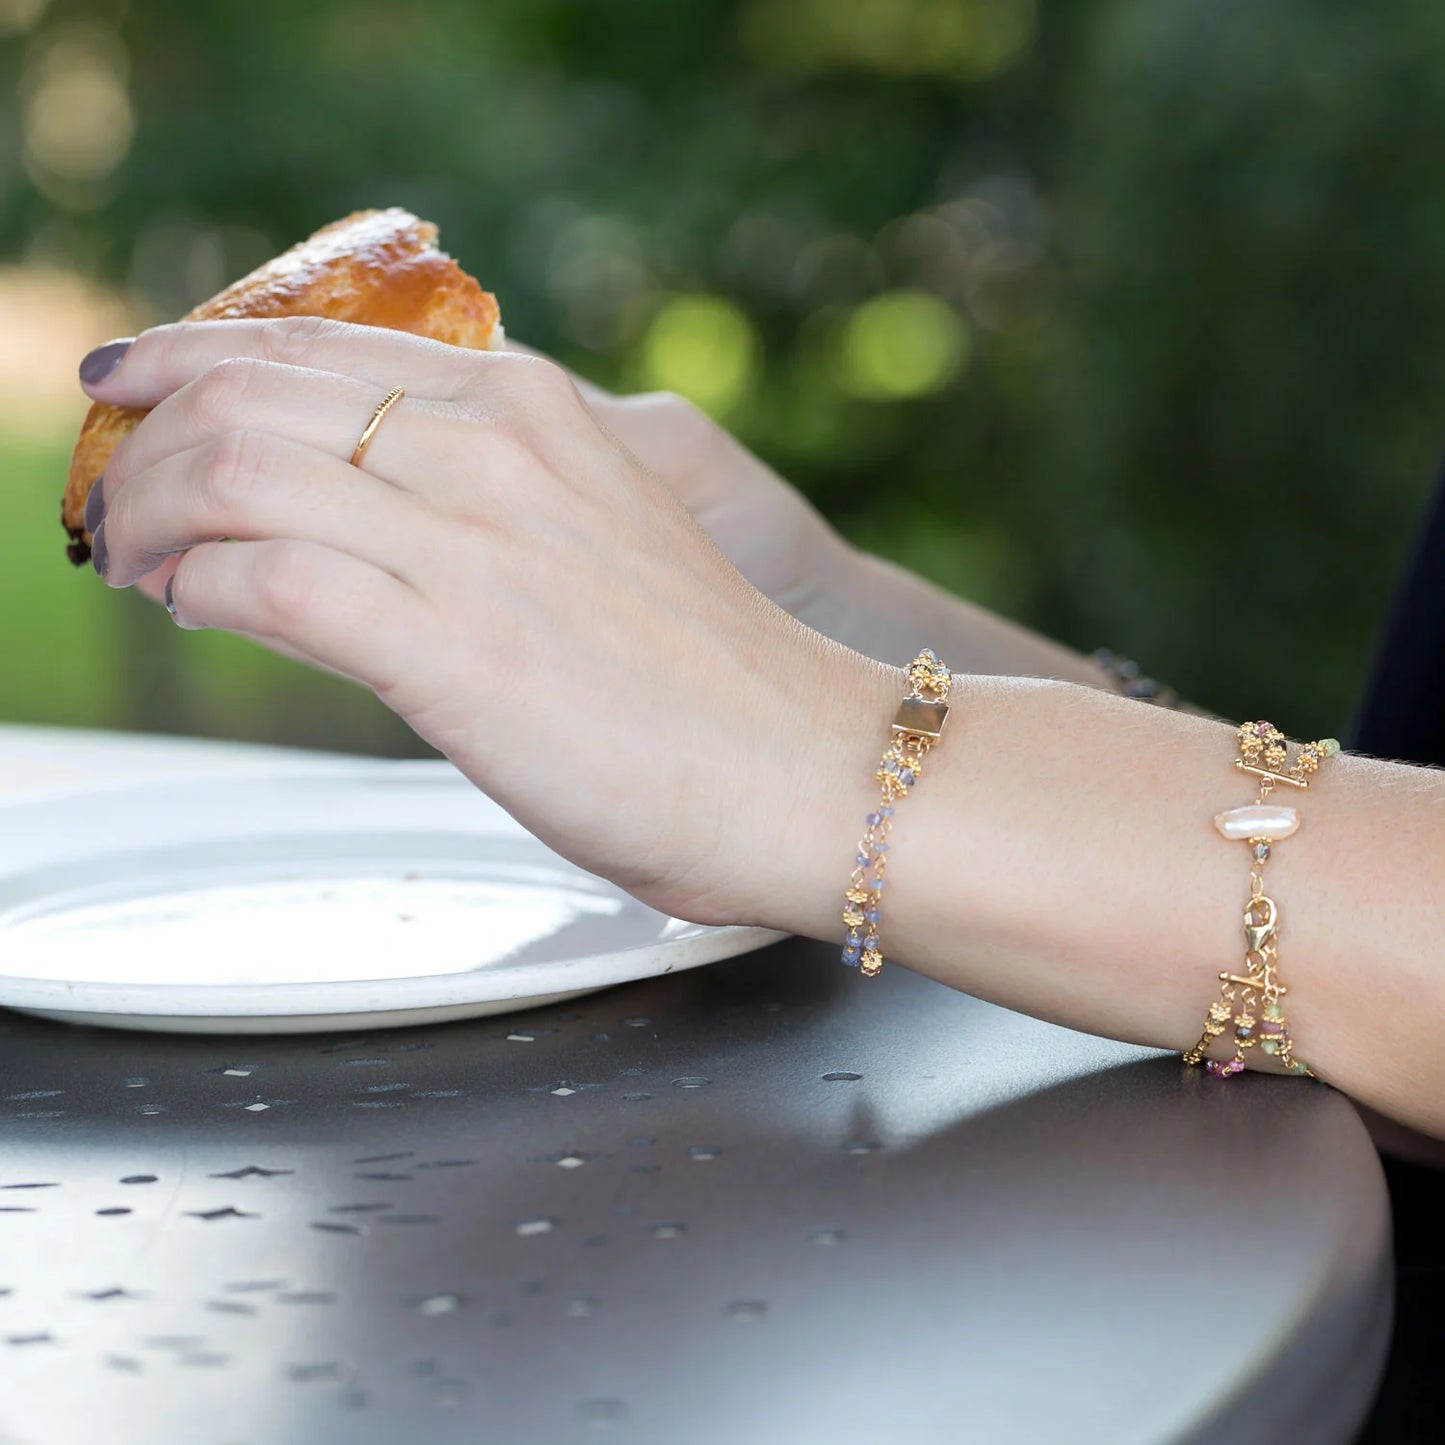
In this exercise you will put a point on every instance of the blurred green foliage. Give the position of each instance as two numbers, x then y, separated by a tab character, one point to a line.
1120	316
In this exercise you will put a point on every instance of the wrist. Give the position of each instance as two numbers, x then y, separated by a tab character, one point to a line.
832	597
883	610
878	607
822	755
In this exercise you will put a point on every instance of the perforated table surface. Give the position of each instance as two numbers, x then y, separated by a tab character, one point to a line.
760	1202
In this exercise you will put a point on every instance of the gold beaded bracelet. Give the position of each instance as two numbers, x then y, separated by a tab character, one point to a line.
916	727
1252	998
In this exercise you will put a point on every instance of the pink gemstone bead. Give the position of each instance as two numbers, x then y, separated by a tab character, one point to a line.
1224	1070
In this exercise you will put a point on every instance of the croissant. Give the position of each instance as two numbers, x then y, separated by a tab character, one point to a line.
377	267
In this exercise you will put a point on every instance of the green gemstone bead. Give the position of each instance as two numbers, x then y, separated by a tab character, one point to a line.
1270	1046
1329	746
1295	1067
1273	1011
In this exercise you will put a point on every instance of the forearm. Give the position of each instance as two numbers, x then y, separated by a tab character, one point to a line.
885	611
1059	857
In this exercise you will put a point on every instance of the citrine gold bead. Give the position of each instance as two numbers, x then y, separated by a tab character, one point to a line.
856	895
852	917
871	962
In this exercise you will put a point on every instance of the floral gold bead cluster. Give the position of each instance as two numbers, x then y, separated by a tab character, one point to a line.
1262	742
1250	1007
916	728
927	676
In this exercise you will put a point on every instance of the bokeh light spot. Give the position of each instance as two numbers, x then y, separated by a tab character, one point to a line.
50	318
77	120
902	344
703	348
968	39
18	16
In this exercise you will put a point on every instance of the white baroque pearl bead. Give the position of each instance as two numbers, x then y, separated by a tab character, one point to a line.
1258	820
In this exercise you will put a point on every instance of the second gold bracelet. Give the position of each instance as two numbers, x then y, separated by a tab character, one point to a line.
1252	998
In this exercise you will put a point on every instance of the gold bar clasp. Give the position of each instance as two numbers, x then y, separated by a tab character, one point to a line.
918	718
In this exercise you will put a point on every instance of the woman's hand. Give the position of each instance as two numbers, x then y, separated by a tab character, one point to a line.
766	528
534	603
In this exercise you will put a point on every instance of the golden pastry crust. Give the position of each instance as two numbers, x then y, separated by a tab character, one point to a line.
378	268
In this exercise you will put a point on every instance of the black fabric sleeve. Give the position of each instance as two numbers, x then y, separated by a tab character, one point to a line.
1401	713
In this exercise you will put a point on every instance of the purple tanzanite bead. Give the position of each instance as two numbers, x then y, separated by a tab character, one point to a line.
874	819
906	777
872	915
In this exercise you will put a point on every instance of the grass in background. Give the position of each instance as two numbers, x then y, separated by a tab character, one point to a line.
58	661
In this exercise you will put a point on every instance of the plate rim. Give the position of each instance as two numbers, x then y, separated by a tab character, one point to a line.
709	944
190	1000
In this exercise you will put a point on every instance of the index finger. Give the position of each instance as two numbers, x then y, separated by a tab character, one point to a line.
162	359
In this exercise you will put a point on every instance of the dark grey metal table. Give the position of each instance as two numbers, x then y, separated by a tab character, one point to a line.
760	1202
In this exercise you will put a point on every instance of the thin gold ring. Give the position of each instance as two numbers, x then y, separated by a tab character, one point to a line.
386	404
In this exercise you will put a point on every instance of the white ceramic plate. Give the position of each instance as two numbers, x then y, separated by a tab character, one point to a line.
366	896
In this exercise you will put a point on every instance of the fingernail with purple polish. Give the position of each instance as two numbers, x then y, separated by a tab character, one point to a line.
100	364
95	506
98	558
171	594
